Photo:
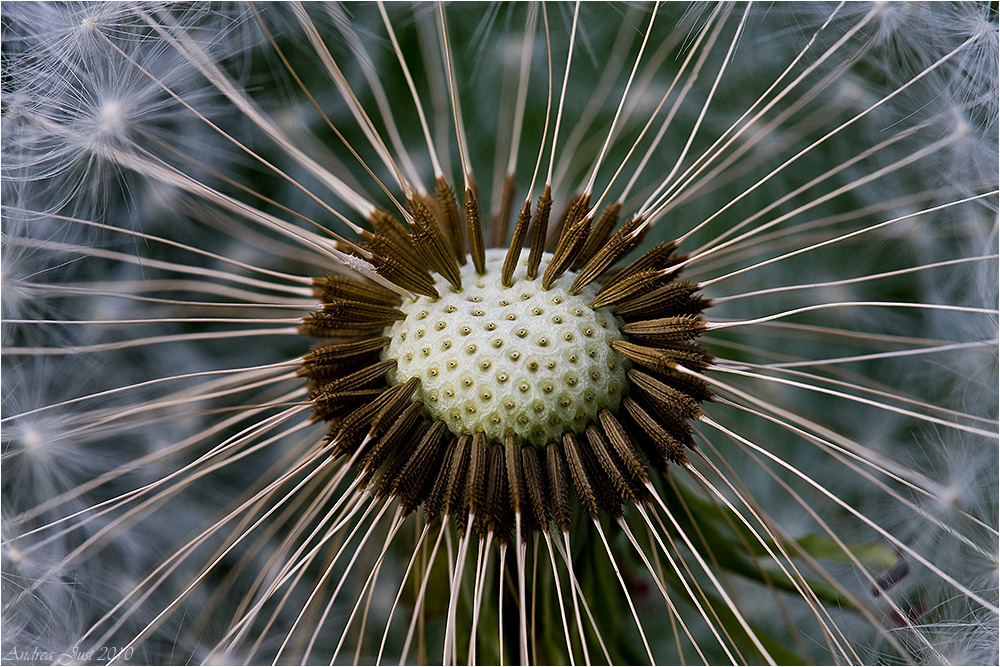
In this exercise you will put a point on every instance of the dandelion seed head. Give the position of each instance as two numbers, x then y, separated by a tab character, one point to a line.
16	295
963	475
111	119
972	640
33	440
172	497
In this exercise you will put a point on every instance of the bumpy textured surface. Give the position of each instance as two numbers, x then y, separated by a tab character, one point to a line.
519	359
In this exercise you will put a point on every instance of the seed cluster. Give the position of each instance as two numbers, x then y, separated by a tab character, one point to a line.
489	385
517	359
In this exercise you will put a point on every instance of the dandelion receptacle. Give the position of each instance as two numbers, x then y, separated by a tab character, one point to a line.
500	333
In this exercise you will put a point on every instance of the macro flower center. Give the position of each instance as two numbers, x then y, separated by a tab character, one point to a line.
487	389
510	360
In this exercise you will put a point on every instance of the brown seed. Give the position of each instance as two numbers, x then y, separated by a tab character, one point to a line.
534	486
332	287
431	244
600	234
445	195
475	230
416	478
328	360
660	256
639	282
359	379
661	446
410	276
539	231
675	298
475	487
608	253
322	324
618	437
396	403
567	250
514	250
446	495
558	490
393	232
666	329
584	491
385	446
512	451
608	465
347	433
348	311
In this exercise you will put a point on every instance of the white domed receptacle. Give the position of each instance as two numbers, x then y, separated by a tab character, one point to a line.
523	360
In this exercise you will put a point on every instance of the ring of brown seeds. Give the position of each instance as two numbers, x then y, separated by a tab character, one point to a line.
488	391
